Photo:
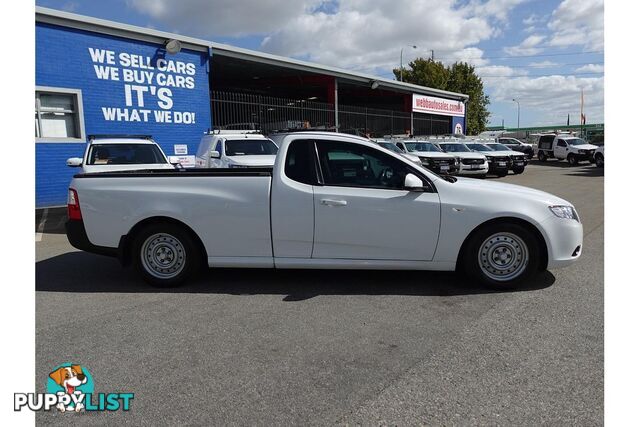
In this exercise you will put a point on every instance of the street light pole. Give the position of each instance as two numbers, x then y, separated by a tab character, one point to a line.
516	101
401	50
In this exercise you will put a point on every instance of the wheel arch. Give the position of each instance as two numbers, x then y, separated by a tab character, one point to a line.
544	250
124	248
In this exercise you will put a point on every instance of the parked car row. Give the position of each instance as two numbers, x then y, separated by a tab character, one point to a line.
455	156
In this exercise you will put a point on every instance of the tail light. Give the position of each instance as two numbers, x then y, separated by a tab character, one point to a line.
73	205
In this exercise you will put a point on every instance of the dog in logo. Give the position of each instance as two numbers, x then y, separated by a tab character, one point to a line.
69	378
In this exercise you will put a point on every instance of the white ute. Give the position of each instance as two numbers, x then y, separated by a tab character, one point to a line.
331	201
565	147
106	153
235	149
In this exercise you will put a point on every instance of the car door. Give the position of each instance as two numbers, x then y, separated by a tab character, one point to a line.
561	149
362	210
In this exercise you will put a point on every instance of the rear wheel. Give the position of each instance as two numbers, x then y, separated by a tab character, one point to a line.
165	255
541	156
502	255
573	160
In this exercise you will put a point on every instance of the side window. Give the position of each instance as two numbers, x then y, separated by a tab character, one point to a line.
561	143
299	162
400	146
353	165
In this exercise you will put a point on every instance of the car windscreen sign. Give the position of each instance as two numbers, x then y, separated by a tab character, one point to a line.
435	105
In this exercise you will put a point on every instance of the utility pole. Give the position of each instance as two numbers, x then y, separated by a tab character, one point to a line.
516	101
432	55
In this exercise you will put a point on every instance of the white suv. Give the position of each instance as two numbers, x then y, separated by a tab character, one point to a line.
107	153
236	149
470	162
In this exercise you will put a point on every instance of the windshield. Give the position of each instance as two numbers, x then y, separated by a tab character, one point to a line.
575	141
499	147
455	148
479	147
125	154
390	146
422	146
250	147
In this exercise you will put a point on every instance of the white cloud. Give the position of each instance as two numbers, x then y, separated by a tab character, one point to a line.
224	17
357	34
578	23
551	97
498	71
543	64
591	68
529	46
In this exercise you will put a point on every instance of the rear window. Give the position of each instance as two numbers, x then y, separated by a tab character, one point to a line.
250	147
125	154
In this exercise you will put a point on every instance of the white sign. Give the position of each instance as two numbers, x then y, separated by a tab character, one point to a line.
434	105
187	161
180	149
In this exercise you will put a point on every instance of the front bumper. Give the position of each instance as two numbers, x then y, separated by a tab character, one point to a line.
564	241
482	169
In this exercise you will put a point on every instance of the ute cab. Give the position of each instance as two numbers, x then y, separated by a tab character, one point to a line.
565	147
110	153
236	149
431	156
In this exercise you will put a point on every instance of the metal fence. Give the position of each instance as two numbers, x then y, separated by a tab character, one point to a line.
233	110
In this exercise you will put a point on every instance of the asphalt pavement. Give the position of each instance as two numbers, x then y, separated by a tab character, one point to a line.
341	347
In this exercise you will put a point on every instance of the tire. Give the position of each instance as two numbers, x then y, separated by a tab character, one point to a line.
541	156
502	174
599	160
518	171
502	256
573	160
165	255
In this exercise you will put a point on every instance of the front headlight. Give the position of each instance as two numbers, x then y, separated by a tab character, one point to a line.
582	152
566	212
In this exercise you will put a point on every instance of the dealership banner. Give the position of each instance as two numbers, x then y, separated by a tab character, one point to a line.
435	105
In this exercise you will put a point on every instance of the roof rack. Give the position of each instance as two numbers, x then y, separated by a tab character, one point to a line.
117	136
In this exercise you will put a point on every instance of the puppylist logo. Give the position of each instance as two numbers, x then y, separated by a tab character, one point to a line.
70	389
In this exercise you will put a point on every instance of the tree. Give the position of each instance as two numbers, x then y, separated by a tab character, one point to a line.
459	77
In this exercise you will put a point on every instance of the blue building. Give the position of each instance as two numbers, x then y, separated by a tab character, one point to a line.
100	77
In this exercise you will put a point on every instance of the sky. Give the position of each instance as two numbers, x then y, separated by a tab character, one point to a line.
543	53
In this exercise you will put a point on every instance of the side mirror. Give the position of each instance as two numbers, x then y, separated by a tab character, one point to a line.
215	154
74	162
413	183
174	160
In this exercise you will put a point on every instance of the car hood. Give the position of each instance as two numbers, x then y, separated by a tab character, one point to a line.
253	160
466	155
433	154
116	168
585	147
506	153
512	190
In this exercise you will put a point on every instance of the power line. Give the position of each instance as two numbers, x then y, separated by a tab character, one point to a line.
544	75
526	56
546	65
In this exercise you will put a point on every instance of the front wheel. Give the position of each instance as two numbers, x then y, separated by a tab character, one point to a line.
599	160
573	160
541	156
502	255
165	255
518	171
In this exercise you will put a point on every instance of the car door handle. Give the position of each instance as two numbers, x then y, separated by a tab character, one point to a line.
331	202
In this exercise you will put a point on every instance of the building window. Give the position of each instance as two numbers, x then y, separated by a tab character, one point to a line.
58	115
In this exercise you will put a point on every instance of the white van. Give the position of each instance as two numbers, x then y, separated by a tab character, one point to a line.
235	149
